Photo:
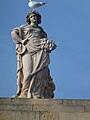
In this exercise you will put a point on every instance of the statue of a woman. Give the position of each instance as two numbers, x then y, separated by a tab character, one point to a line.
32	50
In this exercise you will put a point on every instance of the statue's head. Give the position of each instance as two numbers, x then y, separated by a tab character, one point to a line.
33	13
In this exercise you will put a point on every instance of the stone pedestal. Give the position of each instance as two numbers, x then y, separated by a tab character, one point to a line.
44	109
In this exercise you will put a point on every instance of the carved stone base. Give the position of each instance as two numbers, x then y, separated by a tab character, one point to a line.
44	109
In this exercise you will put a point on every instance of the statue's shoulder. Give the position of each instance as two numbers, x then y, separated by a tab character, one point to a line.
20	27
41	28
45	34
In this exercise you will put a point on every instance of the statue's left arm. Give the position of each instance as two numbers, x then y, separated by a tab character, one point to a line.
15	35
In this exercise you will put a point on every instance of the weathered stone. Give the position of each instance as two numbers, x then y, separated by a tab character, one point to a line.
32	50
7	115
44	109
49	116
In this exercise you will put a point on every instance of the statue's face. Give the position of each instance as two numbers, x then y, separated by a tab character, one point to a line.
33	18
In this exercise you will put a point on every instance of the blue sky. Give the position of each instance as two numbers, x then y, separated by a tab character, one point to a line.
67	22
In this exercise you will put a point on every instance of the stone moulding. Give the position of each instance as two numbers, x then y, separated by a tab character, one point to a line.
44	109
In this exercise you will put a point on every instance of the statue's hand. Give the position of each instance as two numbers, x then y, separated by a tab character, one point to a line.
24	41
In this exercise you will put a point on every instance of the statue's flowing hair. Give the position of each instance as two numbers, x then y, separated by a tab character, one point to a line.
36	13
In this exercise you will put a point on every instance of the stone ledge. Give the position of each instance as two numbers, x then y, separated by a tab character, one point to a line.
73	102
44	109
45	104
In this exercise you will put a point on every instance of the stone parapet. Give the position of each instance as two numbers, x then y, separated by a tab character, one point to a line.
44	109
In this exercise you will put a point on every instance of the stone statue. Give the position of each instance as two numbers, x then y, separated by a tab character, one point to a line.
32	50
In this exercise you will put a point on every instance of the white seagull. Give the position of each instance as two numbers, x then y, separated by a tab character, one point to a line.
35	4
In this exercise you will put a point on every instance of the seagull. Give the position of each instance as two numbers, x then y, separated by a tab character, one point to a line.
35	4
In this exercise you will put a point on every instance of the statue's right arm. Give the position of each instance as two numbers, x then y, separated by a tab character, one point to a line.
16	37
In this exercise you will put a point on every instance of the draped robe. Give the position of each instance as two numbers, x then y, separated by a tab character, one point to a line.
38	84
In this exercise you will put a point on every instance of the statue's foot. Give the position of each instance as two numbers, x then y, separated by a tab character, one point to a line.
23	95
36	97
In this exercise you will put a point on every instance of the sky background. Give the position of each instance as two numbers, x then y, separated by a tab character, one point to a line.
67	22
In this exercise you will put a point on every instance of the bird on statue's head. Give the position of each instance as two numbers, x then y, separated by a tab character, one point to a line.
35	4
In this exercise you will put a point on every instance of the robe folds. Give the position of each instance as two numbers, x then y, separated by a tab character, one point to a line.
32	59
